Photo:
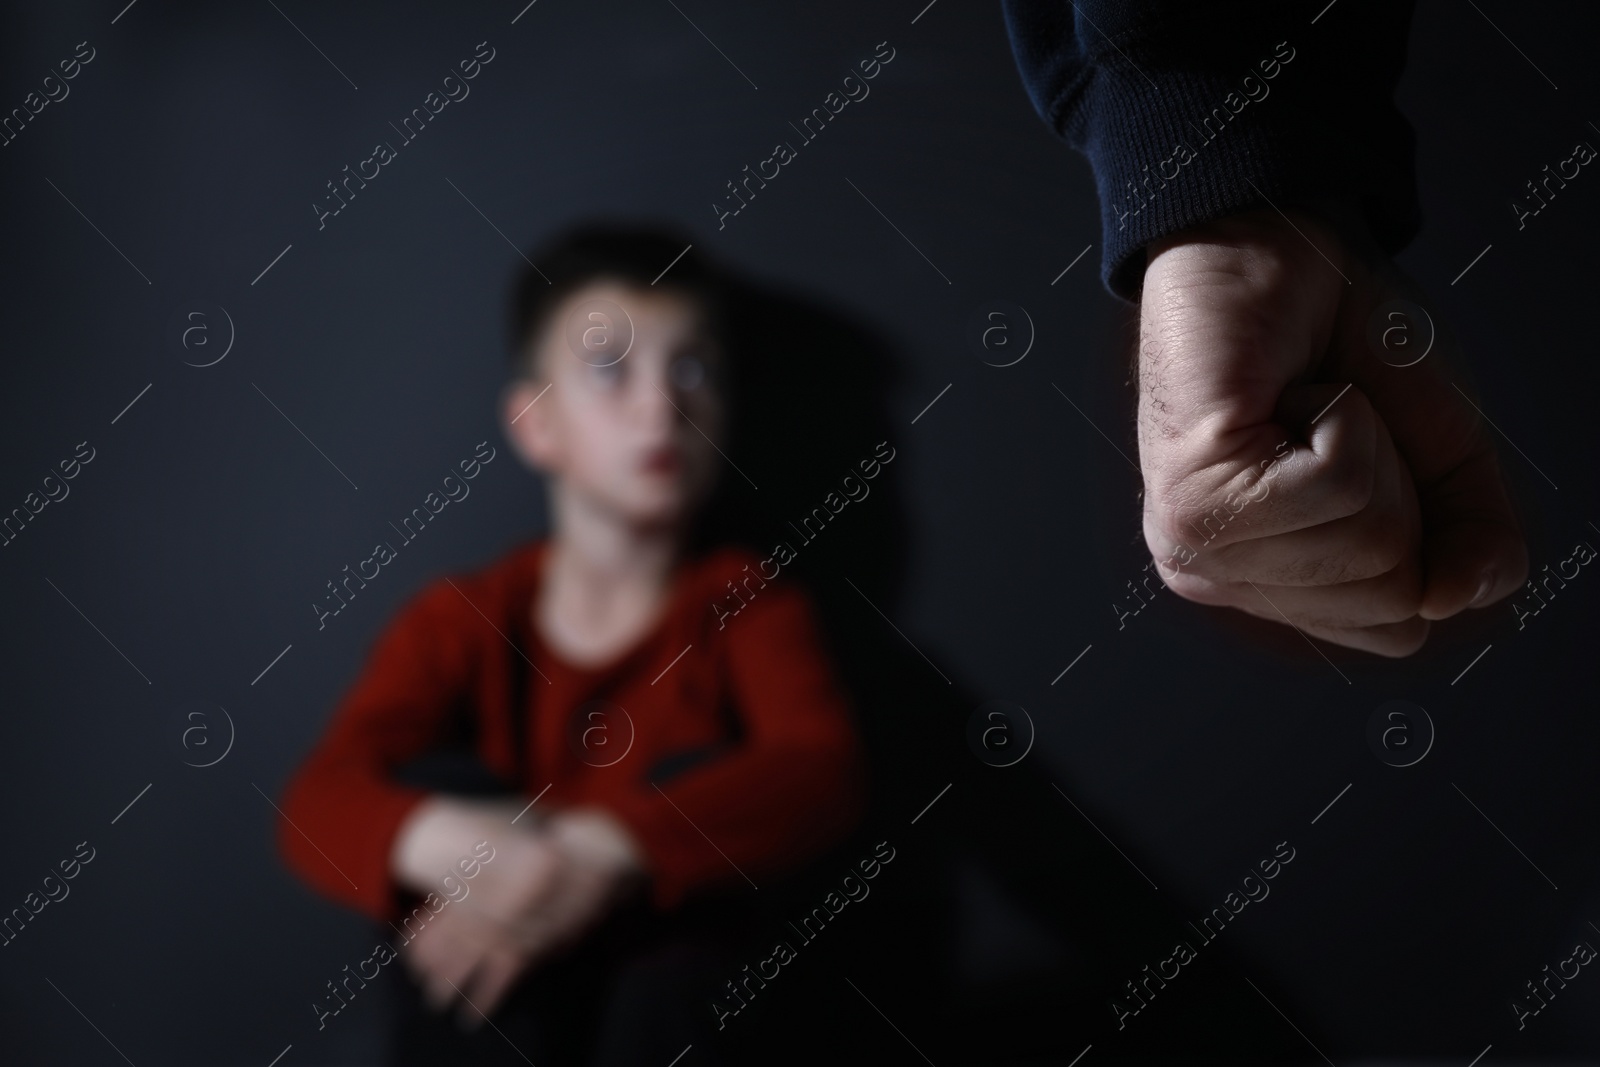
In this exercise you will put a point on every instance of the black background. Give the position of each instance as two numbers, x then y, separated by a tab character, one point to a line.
196	141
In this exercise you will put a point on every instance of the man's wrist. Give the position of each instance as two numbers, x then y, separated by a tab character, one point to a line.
1333	229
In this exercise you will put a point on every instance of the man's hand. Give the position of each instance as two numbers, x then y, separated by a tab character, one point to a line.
1358	517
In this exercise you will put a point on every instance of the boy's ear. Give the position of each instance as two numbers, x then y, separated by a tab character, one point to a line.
526	423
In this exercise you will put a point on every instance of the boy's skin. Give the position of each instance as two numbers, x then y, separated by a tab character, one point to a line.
627	453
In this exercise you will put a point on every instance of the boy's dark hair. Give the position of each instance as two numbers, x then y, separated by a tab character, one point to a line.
637	254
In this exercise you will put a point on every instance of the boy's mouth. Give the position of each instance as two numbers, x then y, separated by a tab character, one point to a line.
666	459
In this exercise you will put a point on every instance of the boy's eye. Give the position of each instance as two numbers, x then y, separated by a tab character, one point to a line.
688	373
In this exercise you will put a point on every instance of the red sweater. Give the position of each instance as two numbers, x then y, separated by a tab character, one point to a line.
786	781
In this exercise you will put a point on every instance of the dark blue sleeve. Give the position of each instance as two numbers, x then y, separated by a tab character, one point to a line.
1189	110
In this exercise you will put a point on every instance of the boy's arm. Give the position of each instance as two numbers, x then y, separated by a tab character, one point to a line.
343	806
795	783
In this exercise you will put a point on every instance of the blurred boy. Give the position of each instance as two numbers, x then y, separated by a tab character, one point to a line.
672	753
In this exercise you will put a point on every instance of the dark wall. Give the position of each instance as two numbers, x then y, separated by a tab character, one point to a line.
188	156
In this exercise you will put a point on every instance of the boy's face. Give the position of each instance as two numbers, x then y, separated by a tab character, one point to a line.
628	432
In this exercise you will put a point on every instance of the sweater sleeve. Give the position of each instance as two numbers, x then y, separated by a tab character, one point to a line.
342	808
1189	111
793	784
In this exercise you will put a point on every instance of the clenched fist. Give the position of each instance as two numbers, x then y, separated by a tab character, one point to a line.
1356	514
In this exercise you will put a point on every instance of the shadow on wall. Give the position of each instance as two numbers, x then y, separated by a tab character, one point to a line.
811	423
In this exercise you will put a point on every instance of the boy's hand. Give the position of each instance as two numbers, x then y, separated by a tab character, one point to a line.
543	891
464	953
443	830
472	947
1390	511
515	890
602	863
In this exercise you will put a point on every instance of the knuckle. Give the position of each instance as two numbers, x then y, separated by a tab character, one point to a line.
1162	524
1176	512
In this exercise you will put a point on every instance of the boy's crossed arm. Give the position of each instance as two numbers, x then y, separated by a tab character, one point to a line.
792	785
551	881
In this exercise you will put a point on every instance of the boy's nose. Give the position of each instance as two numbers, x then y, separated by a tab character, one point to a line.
663	402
